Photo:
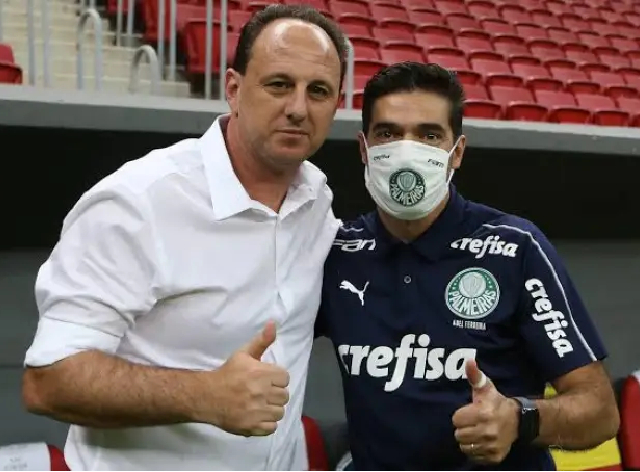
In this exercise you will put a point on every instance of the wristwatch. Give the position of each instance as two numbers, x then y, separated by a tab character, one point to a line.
529	424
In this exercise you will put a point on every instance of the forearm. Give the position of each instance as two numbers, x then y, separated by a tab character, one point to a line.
577	420
97	390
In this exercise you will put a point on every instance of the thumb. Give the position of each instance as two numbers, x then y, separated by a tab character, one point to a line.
477	379
259	344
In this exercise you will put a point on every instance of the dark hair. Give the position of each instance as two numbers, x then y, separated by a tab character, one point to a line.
411	76
271	13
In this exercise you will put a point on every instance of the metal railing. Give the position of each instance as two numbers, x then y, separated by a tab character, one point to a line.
89	14
162	60
134	79
31	42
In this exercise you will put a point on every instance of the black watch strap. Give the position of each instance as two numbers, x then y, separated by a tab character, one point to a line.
529	424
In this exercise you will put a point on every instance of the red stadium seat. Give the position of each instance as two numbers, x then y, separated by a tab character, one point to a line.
482	9
546	49
631	76
623	44
558	7
448	7
394	31
425	17
461	22
484	109
604	110
435	37
471	42
392	53
545	19
497	26
593	39
562	35
562	107
510	45
544	83
418	4
388	12
10	73
367	67
366	48
238	18
476	92
194	34
531	31
612	57
631	106
629	435
514	13
316	450
339	7
519	104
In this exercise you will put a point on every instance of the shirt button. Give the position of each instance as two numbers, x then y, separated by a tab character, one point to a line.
407	279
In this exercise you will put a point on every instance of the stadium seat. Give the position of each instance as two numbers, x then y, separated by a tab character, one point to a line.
449	7
476	92
462	22
497	26
612	57
545	19
473	41
482	9
562	35
631	106
339	7
629	435
592	39
546	49
531	31
604	110
484	109
388	12
425	18
316	450
631	76
10	72
510	45
562	107
518	103
194	36
434	37
394	32
514	13
392	53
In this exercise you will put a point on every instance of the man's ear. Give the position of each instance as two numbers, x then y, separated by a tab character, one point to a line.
362	143
458	153
232	90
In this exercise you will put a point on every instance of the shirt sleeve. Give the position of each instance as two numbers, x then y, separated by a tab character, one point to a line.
558	331
98	278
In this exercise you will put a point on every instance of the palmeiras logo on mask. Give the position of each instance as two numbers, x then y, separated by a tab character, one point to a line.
406	187
472	293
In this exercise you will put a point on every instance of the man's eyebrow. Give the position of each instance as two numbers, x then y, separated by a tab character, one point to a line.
431	127
386	125
276	75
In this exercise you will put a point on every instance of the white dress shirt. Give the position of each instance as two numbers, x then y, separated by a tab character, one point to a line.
168	262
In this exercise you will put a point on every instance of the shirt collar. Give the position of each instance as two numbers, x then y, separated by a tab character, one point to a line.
434	242
228	195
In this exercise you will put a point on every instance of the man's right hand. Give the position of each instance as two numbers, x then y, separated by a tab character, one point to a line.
252	393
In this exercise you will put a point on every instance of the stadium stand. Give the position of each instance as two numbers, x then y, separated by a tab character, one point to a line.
588	52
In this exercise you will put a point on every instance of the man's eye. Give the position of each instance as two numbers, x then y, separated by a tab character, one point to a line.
279	85
320	91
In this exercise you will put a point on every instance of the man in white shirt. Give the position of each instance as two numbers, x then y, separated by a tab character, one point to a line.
177	309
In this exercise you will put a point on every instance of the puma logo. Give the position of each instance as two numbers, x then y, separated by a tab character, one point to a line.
346	285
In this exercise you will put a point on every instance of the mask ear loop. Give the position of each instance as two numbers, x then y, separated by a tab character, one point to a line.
451	154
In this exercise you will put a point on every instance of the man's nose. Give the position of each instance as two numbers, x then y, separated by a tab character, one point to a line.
296	109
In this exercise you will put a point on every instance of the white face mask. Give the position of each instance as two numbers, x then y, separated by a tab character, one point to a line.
407	179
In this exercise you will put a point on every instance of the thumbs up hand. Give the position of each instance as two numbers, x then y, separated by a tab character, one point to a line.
487	427
252	393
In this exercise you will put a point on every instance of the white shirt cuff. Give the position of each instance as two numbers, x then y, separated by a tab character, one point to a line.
56	340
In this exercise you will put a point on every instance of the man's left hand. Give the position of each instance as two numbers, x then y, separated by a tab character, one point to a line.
487	427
